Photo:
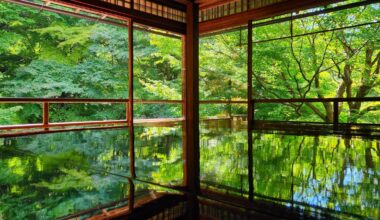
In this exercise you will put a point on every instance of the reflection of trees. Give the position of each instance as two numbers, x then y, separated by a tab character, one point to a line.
292	168
323	171
63	165
320	171
224	159
49	187
159	154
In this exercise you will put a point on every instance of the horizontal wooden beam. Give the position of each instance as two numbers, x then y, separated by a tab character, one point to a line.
137	16
140	101
240	19
158	101
172	4
123	23
364	99
222	102
206	4
60	100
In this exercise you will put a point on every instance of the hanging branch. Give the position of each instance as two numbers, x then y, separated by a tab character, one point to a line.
293	52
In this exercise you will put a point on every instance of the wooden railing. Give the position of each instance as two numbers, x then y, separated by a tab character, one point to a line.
222	102
335	102
46	123
45	102
139	101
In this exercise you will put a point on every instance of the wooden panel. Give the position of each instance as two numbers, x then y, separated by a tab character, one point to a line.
217	9
260	13
171	4
137	16
204	4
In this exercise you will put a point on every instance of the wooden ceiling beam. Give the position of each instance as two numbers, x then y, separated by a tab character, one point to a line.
172	4
206	4
240	19
137	16
184	2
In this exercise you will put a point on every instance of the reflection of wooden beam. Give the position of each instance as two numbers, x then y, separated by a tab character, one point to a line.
260	13
61	124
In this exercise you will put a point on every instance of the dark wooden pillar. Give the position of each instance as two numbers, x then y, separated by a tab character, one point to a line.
130	102
191	108
250	113
131	193
191	99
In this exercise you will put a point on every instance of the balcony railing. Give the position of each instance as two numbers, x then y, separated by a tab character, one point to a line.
46	122
336	104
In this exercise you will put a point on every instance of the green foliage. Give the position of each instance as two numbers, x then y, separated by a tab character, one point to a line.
67	37
48	55
65	57
157	67
73	179
45	79
340	63
9	115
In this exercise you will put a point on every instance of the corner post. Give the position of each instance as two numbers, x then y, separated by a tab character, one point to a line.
191	107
